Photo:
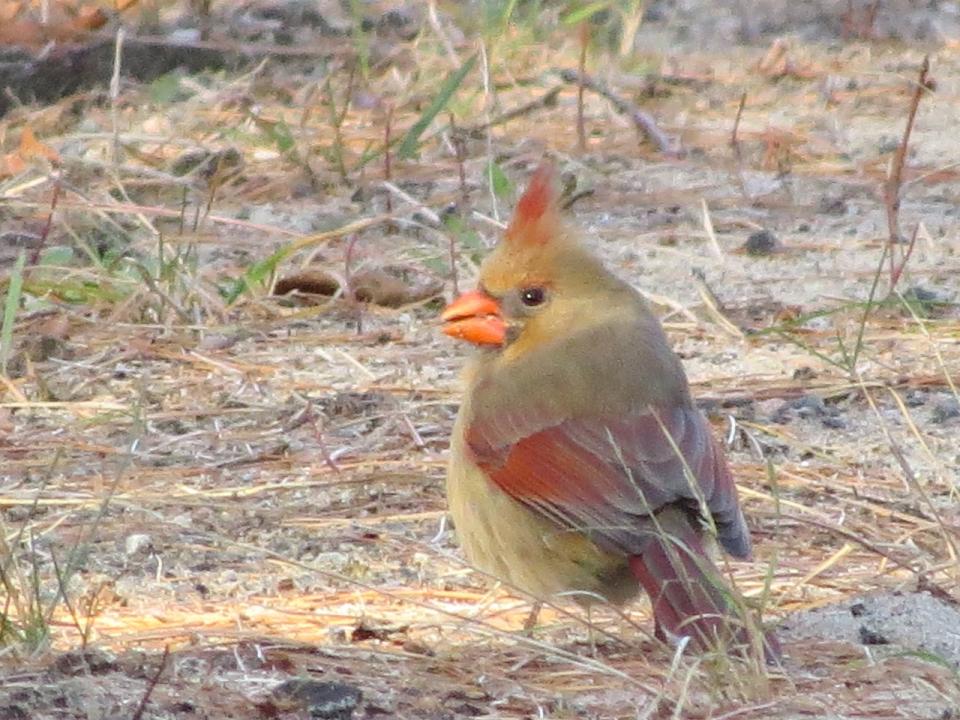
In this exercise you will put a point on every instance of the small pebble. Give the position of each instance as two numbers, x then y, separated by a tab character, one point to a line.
834	422
915	398
322	700
872	637
762	242
137	543
945	409
832	206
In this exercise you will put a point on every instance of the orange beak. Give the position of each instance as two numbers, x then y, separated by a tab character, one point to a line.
475	317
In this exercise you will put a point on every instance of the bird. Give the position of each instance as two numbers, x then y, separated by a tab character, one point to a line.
580	464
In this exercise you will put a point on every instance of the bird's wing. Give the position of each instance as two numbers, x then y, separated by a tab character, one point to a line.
608	476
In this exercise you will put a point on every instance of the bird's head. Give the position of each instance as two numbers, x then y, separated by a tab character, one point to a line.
537	284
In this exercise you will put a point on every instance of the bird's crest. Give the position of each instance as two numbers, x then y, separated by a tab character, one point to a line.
536	218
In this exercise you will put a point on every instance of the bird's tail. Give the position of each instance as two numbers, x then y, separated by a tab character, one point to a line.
688	594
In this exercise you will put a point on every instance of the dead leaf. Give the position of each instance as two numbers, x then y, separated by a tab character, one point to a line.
778	62
21	33
393	286
61	28
773	60
56	326
389	286
90	18
31	148
308	282
11	164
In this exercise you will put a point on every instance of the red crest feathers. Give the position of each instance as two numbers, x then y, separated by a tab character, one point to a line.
537	204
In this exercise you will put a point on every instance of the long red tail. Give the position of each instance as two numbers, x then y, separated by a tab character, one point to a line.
688	595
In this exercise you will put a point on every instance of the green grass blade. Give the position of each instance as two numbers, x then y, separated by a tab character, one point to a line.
255	275
10	310
410	141
586	12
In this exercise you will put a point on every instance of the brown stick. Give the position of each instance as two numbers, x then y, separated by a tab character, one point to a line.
898	270
548	100
643	121
337	118
45	233
138	714
460	148
734	140
386	154
891	189
581	129
349	289
318	435
870	20
454	275
735	144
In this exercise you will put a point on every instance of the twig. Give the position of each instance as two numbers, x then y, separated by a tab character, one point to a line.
218	178
460	152
933	344
852	537
891	189
428	212
437	27
643	121
183	210
734	140
713	305
348	95
578	195
581	129
308	105
548	100
317	421
45	233
115	95
897	271
454	275
152	685
489	101
708	229
348	287
737	151
414	433
911	481
858	347
387	176
337	118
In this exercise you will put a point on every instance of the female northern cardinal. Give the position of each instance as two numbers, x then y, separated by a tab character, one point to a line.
579	462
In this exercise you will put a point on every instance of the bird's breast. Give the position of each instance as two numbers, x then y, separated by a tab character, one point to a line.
518	545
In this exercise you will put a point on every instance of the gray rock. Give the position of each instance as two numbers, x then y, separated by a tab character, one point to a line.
888	623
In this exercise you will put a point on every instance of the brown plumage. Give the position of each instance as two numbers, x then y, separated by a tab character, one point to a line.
579	462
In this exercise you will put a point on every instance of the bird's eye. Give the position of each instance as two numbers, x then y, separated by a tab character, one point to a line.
532	296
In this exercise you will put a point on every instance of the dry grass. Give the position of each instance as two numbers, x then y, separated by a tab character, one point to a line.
258	479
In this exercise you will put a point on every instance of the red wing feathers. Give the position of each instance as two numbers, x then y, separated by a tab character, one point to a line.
606	477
